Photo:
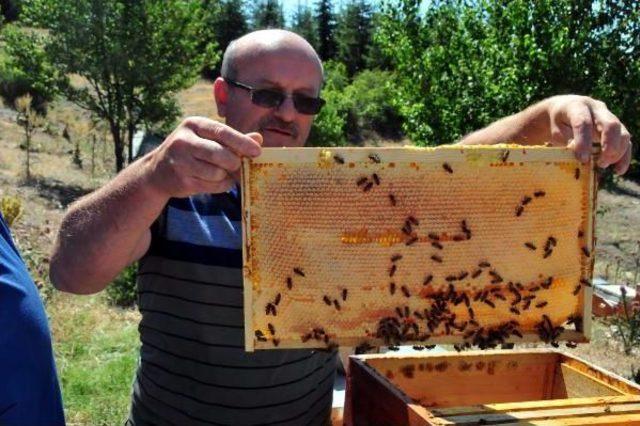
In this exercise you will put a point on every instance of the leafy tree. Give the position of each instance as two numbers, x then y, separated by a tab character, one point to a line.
29	120
268	14
26	68
304	24
353	35
464	64
132	54
326	29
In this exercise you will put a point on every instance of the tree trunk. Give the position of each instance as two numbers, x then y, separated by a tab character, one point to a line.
118	146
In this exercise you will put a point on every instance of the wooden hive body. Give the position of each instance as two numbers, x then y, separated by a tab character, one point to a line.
536	387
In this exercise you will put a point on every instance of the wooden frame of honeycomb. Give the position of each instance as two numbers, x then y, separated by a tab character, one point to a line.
473	246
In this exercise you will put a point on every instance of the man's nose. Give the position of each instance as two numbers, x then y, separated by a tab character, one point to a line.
286	111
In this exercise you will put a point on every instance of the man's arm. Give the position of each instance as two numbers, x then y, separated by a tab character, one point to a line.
568	120
107	230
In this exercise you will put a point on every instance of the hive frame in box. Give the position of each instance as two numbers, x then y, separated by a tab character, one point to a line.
311	171
565	391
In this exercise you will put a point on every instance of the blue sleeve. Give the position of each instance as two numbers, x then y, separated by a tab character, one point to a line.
29	390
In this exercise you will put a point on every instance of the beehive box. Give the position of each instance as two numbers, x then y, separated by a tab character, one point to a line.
387	246
535	387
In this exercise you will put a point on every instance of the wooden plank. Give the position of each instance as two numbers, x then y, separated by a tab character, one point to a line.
530	405
577	384
543	414
249	336
612	379
621	419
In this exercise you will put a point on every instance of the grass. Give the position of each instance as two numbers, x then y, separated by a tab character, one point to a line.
96	348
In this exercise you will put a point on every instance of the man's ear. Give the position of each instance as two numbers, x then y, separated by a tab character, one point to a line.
221	95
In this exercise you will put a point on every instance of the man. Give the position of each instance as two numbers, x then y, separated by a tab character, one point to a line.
177	210
29	391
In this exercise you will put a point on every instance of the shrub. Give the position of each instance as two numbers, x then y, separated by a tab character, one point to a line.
329	127
11	208
626	326
122	291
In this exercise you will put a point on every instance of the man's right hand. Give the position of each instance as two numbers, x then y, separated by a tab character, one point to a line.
200	156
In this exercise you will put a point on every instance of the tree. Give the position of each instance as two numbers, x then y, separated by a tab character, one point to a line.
304	24
132	54
268	14
225	21
27	69
353	35
29	120
326	27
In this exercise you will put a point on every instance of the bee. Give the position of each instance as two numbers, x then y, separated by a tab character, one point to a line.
361	181
336	304
541	304
504	156
547	283
539	194
434	236
451	278
396	257
577	290
489	302
305	337
516	333
299	271
413	220
411	241
580	233
530	246
418	315
374	158
272	329
534	289
338	159
289	283
459	238
436	258
447	167
526	200
577	173
326	299
547	253
526	305
437	245
476	273
496	277
514	310
474	322
392	199
392	270
499	296
405	291
376	178
277	301
586	251
270	309
406	229
407	312
571	345
463	275
427	279
276	342
484	264
392	288
519	210
552	241
368	186
418	348
344	294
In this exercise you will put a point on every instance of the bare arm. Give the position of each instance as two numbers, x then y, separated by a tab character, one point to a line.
107	230
568	120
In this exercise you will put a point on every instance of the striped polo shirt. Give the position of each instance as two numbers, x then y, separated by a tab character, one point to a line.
193	367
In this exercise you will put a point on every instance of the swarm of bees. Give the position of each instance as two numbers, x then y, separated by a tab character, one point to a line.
440	316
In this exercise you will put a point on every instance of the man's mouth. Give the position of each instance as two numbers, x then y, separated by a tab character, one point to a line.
279	131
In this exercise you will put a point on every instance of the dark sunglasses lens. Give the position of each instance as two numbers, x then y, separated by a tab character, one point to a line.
308	105
267	98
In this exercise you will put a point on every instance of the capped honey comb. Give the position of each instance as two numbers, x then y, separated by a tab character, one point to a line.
473	246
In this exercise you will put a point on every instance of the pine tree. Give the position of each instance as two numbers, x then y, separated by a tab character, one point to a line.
304	24
353	35
268	14
326	28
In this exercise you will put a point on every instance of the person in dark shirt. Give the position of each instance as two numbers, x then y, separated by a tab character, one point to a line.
29	390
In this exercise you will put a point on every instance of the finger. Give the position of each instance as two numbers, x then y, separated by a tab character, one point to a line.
214	154
579	117
215	187
622	165
256	137
212	130
204	170
610	130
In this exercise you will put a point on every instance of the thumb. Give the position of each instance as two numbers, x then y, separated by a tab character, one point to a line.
256	137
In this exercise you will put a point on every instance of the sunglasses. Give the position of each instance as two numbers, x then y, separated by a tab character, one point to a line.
271	98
